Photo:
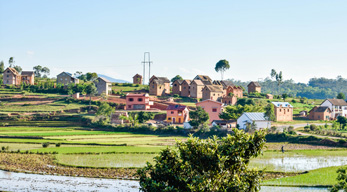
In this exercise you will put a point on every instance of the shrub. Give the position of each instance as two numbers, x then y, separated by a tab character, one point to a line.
307	128
290	129
313	127
57	144
342	141
45	145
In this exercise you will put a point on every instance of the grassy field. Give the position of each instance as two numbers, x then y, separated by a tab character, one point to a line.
319	177
128	88
55	106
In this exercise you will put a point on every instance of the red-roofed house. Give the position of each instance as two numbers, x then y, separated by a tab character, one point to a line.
177	114
138	102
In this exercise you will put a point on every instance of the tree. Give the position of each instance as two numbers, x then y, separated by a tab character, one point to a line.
341	96
2	67
273	73
206	165
198	117
270	112
284	96
234	112
18	68
104	112
342	120
177	77
279	78
222	66
132	118
91	76
11	61
144	116
91	91
45	71
37	70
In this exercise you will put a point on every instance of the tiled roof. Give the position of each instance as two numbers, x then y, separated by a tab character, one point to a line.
27	73
209	100
321	109
13	70
161	80
255	83
137	75
337	102
255	116
214	88
283	104
137	95
188	81
176	107
198	82
204	77
178	81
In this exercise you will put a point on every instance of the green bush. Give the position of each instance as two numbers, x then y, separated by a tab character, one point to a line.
313	127
45	145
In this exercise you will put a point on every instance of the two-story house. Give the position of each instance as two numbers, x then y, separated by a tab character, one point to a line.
103	86
283	111
185	88
195	89
338	107
138	102
213	92
254	87
66	78
137	79
12	77
213	108
177	114
159	86
176	87
28	77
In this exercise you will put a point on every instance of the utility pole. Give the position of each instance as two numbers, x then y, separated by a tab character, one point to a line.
146	60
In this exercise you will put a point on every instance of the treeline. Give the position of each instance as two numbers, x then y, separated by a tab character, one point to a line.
317	88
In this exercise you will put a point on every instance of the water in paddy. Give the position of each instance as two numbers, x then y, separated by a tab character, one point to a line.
292	189
10	181
298	163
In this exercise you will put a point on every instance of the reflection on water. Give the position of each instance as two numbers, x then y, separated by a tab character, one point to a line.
10	181
292	189
298	163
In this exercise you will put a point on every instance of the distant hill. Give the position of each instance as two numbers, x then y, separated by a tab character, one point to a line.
112	79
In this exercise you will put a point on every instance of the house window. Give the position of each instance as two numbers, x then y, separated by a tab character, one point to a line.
153	86
172	112
139	99
175	85
7	75
184	87
288	110
169	118
131	99
129	106
214	110
214	94
280	110
160	87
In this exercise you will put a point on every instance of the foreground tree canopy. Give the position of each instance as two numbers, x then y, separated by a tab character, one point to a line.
206	165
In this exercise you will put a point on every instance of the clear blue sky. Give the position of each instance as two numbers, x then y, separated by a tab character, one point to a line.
303	38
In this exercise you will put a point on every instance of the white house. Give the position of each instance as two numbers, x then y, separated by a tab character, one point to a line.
258	118
338	107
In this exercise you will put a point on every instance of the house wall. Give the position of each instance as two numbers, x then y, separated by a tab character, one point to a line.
177	116
212	108
137	103
196	90
10	78
320	115
238	92
185	89
65	79
207	94
227	100
137	79
103	87
28	79
283	113
176	88
252	88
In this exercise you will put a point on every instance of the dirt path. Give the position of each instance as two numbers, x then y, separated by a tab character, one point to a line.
296	126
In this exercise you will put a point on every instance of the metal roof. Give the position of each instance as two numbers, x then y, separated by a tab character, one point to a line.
283	104
255	116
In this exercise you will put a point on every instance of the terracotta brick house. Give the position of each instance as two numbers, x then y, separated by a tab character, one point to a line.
338	107
213	92
229	100
177	114
195	89
12	77
138	102
283	111
213	108
230	88
176	87
159	86
185	88
254	87
269	96
137	79
320	113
